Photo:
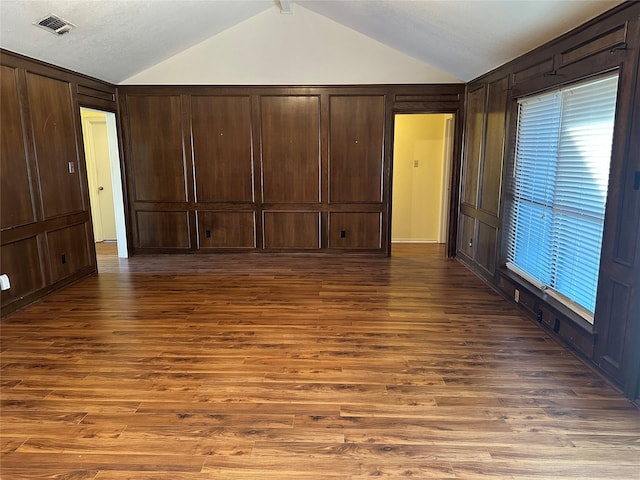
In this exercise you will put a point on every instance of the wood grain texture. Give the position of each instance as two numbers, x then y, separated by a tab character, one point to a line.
356	148
16	194
221	135
54	141
298	366
290	149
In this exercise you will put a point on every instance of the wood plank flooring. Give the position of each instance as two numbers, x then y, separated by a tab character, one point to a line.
298	367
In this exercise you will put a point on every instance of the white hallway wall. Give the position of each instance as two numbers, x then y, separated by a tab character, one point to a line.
299	49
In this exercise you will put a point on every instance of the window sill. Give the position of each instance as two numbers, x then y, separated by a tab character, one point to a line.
558	307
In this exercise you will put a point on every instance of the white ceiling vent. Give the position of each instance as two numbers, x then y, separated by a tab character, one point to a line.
55	24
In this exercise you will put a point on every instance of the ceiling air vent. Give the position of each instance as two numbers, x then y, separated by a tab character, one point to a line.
53	23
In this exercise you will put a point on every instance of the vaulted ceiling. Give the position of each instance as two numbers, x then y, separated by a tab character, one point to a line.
116	39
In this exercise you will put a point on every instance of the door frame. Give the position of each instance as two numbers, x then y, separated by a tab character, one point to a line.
454	167
116	179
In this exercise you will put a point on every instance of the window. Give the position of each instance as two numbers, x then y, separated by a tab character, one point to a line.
558	191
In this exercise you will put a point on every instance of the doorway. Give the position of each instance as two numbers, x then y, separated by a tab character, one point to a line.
103	177
422	159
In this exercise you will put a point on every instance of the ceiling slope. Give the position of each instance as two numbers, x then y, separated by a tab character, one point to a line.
300	49
466	38
117	39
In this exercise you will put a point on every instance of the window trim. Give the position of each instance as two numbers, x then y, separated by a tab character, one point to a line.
555	300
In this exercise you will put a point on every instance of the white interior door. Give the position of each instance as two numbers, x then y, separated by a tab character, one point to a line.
99	175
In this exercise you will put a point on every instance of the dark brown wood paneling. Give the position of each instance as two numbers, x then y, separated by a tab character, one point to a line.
228	229
21	262
163	229
157	158
467	235
290	149
474	127
221	136
490	181
356	148
485	248
355	230
291	230
532	71
17	200
68	251
54	138
607	41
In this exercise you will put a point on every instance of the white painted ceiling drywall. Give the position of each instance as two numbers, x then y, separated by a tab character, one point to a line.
260	51
117	39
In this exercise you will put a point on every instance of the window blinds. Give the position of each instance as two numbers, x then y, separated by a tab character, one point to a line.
559	189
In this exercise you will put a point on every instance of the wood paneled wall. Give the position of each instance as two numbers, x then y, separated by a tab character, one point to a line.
266	168
611	42
47	240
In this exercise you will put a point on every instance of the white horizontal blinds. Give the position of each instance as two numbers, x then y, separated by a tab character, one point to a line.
529	238
584	157
559	188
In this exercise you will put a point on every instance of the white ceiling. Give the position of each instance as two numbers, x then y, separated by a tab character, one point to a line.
116	39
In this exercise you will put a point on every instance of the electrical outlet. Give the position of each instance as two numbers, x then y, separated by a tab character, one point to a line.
207	233
343	233
5	284
516	295
63	258
72	167
416	164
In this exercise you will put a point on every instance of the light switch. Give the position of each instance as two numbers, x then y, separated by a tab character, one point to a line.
72	167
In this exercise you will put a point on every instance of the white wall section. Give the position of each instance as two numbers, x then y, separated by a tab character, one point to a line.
300	49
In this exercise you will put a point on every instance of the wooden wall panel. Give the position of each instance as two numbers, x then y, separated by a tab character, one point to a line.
157	157
222	153
291	230
485	249
17	199
68	251
44	203
474	129
54	138
467	236
163	229
355	230
228	229
612	334
21	261
490	180
610	42
356	149
290	149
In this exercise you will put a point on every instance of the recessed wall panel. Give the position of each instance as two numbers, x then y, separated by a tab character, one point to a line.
290	149
356	149
221	135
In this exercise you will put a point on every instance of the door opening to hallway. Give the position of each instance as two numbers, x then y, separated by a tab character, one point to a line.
104	180
422	158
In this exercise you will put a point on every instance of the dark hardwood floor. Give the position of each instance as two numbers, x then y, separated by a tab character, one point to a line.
299	367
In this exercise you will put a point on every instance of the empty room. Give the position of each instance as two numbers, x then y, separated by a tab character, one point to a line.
319	239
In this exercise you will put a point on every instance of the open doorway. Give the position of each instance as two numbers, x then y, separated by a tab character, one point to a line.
103	175
422	159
